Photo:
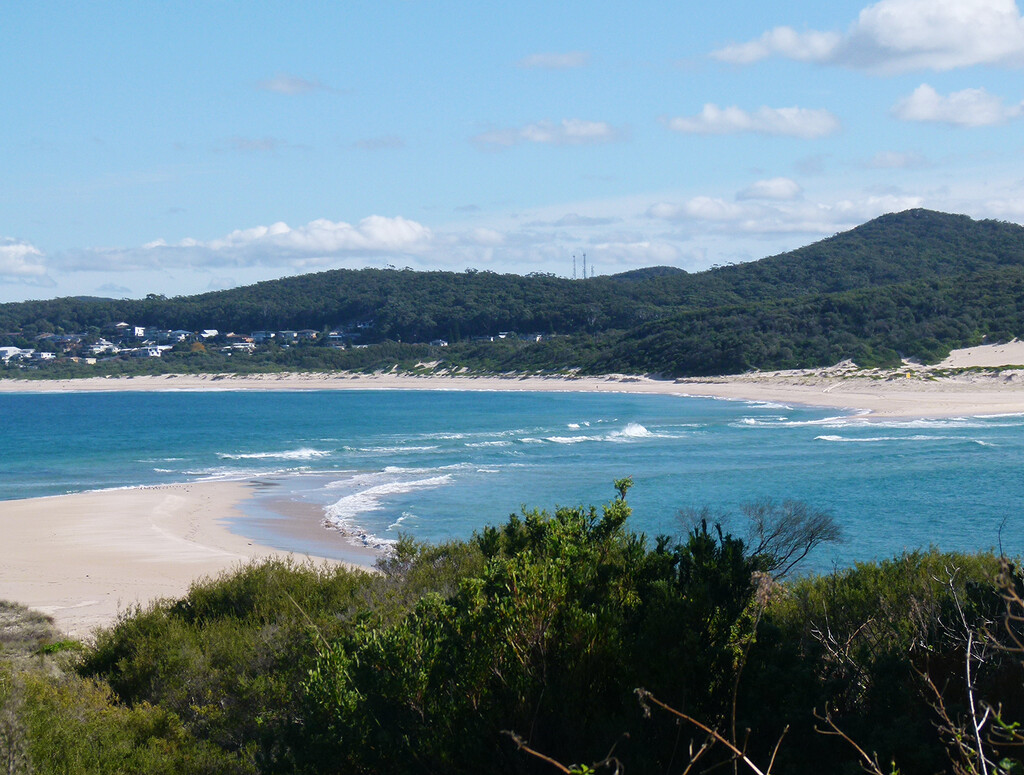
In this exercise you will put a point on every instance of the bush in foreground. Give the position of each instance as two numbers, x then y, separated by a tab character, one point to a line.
543	628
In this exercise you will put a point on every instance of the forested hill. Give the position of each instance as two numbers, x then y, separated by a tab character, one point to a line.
906	284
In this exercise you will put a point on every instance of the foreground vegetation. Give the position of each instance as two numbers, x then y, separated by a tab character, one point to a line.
906	285
522	651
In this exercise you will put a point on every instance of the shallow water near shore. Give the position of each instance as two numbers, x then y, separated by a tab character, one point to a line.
441	464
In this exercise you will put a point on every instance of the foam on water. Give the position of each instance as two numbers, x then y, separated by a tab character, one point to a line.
769	405
633	430
915	438
406	515
304	453
346	509
392	450
570	439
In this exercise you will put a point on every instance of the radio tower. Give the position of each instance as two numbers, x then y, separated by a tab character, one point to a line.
573	266
584	266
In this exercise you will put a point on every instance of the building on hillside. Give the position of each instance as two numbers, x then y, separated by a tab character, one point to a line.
102	346
9	353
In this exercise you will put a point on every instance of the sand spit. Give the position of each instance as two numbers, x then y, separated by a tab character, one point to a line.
83	558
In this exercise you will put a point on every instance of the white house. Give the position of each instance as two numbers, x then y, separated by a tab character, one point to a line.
6	353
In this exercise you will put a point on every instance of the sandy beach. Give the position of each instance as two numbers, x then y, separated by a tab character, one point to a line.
972	381
83	558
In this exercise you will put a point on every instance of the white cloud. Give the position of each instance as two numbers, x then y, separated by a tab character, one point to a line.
647	252
569	131
794	122
314	244
772	188
701	208
720	216
900	35
1010	208
784	41
970	107
483	237
555	61
22	262
290	85
373	234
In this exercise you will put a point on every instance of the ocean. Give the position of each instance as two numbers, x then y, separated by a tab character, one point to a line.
443	464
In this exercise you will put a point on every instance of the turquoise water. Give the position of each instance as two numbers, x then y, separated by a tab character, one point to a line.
443	464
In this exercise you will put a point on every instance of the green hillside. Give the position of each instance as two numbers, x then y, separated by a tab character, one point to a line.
911	284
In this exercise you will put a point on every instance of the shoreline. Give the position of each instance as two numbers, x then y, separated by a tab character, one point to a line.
908	392
85	558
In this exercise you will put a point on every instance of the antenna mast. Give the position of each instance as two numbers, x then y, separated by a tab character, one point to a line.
584	266
573	266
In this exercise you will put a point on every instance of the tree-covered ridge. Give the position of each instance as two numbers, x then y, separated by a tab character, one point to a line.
912	284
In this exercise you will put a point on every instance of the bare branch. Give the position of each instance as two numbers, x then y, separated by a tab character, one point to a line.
870	763
646	697
522	746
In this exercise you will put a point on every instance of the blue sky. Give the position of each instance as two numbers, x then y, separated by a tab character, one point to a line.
182	147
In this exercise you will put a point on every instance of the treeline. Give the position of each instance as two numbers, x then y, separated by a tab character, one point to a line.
913	284
877	327
531	640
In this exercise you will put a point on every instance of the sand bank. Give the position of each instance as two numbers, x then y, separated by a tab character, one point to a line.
970	382
85	557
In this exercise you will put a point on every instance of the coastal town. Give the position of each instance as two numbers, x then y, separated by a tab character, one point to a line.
121	340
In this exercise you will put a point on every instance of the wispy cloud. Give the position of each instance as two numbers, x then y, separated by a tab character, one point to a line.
569	131
901	35
780	189
291	85
555	61
783	41
278	244
967	108
22	262
574	219
718	215
795	122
